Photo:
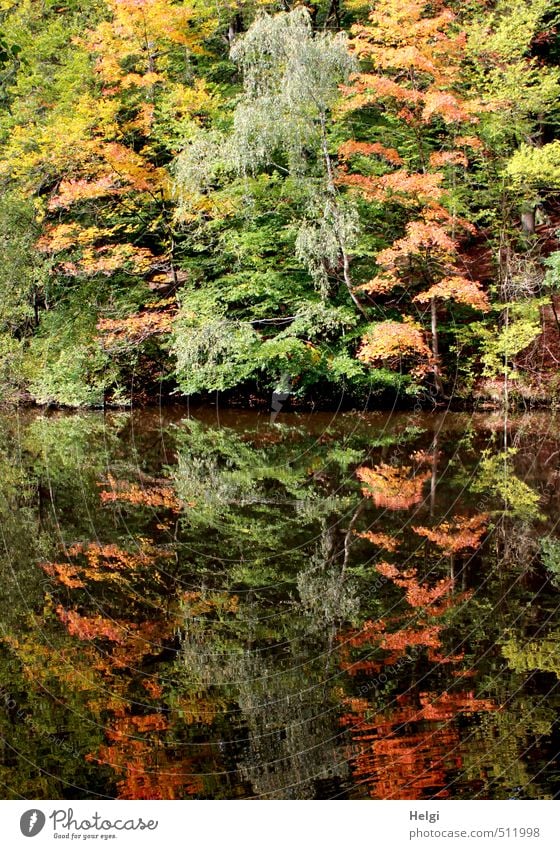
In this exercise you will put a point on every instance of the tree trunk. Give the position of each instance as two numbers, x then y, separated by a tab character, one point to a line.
528	221
234	28
331	188
433	482
334	14
435	349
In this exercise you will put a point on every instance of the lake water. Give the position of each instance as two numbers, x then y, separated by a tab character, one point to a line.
218	605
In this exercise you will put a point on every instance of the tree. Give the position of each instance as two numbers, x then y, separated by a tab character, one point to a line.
272	177
414	85
94	166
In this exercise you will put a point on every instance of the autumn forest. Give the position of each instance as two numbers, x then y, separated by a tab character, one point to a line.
248	197
279	389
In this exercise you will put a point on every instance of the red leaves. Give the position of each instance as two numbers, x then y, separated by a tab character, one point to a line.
449	157
390	342
421	239
90	627
354	148
415	60
154	320
452	537
156	496
74	191
399	186
89	256
392	487
447	106
459	289
428	243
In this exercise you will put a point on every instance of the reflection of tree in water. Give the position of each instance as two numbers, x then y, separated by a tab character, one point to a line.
227	613
281	682
413	749
410	740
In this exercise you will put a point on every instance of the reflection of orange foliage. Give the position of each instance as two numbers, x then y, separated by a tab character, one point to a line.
407	637
90	627
132	641
199	603
194	708
385	541
139	640
417	595
152	687
65	573
354	667
392	487
148	496
437	657
452	537
369	632
110	556
398	761
422	457
147	769
103	563
119	652
122	727
430	601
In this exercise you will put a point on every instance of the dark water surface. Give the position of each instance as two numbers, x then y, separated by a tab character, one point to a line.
324	606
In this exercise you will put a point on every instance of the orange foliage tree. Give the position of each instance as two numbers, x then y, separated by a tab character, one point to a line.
107	213
413	54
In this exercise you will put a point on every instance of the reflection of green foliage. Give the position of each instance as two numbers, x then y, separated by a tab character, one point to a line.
502	736
542	654
265	576
72	444
551	558
264	499
65	456
495	475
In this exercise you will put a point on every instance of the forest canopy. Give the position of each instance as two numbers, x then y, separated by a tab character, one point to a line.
249	197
